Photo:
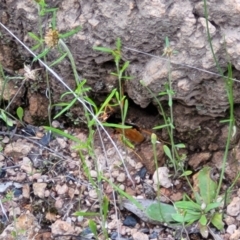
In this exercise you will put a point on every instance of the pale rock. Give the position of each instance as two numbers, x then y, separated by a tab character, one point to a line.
62	227
14	211
39	189
55	124
27	166
26	191
59	203
233	209
231	229
140	236
1	157
115	174
93	194
18	149
93	174
235	235
61	142
121	177
46	193
5	140
161	175
229	220
61	189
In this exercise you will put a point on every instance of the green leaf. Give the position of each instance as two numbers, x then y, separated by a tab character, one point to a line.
6	119
103	49
211	206
105	205
125	110
58	60
68	106
161	126
188	205
116	125
125	66
20	113
180	145
34	36
186	173
217	221
167	42
118	44
42	54
70	33
35	47
93	227
187	217
167	151
61	133
206	185
86	214
161	212
203	220
225	121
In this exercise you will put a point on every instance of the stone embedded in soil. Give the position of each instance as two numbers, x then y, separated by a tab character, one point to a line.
161	177
61	189
61	142
121	177
147	156
199	158
130	221
142	172
140	236
231	229
233	209
26	227
39	189
62	227
17	150
59	203
93	174
27	166
26	191
235	235
93	194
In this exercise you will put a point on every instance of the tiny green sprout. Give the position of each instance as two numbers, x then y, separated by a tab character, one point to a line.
20	113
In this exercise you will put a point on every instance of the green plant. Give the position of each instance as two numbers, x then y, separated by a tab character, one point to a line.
118	95
175	160
204	209
51	40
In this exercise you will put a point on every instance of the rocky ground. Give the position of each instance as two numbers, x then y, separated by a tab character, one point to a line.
43	183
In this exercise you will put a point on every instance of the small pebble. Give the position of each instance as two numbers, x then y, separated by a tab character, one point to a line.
93	194
59	203
142	172
121	177
130	221
5	139
153	235
115	173
55	124
17	192
115	235
231	229
93	174
61	189
2	173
